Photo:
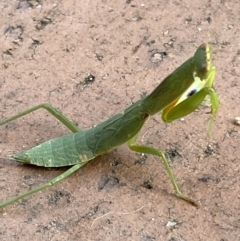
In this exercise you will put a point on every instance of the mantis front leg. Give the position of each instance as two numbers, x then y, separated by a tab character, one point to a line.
150	150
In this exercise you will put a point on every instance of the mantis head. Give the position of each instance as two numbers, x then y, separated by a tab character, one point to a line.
203	76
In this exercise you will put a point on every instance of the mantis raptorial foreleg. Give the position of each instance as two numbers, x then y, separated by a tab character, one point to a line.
153	151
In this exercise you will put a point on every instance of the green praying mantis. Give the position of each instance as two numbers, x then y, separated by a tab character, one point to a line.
176	96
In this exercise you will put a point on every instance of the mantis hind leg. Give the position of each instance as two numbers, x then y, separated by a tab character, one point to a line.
150	150
56	113
42	187
69	124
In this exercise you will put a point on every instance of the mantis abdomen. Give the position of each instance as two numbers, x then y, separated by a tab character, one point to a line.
66	150
83	146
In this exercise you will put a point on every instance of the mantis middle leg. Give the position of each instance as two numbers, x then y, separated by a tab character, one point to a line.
150	150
